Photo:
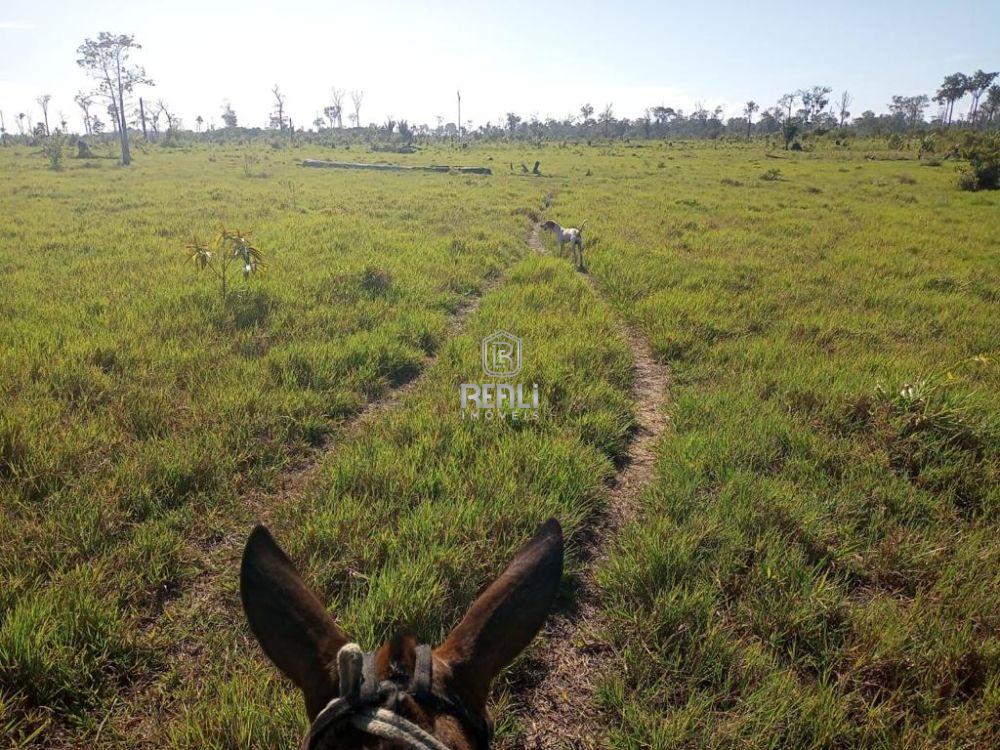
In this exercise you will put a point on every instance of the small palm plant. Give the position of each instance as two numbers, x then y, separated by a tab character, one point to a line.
226	249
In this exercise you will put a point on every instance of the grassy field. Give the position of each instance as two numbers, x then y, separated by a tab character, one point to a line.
817	564
814	565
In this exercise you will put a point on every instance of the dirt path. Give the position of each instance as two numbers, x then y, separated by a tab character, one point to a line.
559	707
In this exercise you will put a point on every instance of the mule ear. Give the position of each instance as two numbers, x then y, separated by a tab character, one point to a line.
505	617
289	621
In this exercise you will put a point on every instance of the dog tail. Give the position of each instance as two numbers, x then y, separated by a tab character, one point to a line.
580	230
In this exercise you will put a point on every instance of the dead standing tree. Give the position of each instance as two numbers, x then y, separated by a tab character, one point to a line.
357	97
748	109
43	102
278	115
83	101
172	121
106	59
337	108
843	107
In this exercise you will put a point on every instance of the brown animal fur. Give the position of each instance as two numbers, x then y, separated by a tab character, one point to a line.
302	639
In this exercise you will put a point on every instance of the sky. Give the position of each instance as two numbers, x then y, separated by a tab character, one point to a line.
534	58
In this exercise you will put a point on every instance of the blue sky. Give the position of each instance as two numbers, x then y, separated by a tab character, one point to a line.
543	58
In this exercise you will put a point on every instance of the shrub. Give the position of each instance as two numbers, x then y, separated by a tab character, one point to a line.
771	175
983	170
52	147
250	163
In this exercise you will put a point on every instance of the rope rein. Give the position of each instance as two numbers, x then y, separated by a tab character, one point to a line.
359	704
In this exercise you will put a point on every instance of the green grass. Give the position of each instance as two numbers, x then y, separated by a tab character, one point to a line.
409	519
138	408
815	564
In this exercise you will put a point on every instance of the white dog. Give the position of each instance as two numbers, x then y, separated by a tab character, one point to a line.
572	235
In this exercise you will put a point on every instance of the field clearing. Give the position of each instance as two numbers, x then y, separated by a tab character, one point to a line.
815	563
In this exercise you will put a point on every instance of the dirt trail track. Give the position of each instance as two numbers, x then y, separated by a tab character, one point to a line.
559	710
570	664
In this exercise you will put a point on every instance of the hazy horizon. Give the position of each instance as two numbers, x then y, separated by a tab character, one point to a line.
536	61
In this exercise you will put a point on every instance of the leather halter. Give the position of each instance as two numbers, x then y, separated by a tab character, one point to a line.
371	706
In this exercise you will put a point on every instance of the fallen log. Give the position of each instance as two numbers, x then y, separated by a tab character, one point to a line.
385	167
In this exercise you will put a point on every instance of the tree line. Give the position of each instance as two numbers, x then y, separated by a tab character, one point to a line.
107	60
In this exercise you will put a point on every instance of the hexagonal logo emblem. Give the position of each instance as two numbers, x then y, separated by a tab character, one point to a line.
501	355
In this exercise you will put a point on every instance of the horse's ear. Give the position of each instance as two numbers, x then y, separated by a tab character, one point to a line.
289	621
505	617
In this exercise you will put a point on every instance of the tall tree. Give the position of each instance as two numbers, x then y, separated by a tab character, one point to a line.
786	102
748	109
586	113
228	115
43	102
910	108
512	122
952	89
978	83
992	103
198	121
607	115
106	59
814	101
842	107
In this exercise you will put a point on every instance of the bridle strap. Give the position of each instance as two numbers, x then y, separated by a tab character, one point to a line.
369	683
422	671
358	704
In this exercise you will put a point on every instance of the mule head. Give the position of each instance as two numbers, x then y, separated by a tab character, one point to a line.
302	639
